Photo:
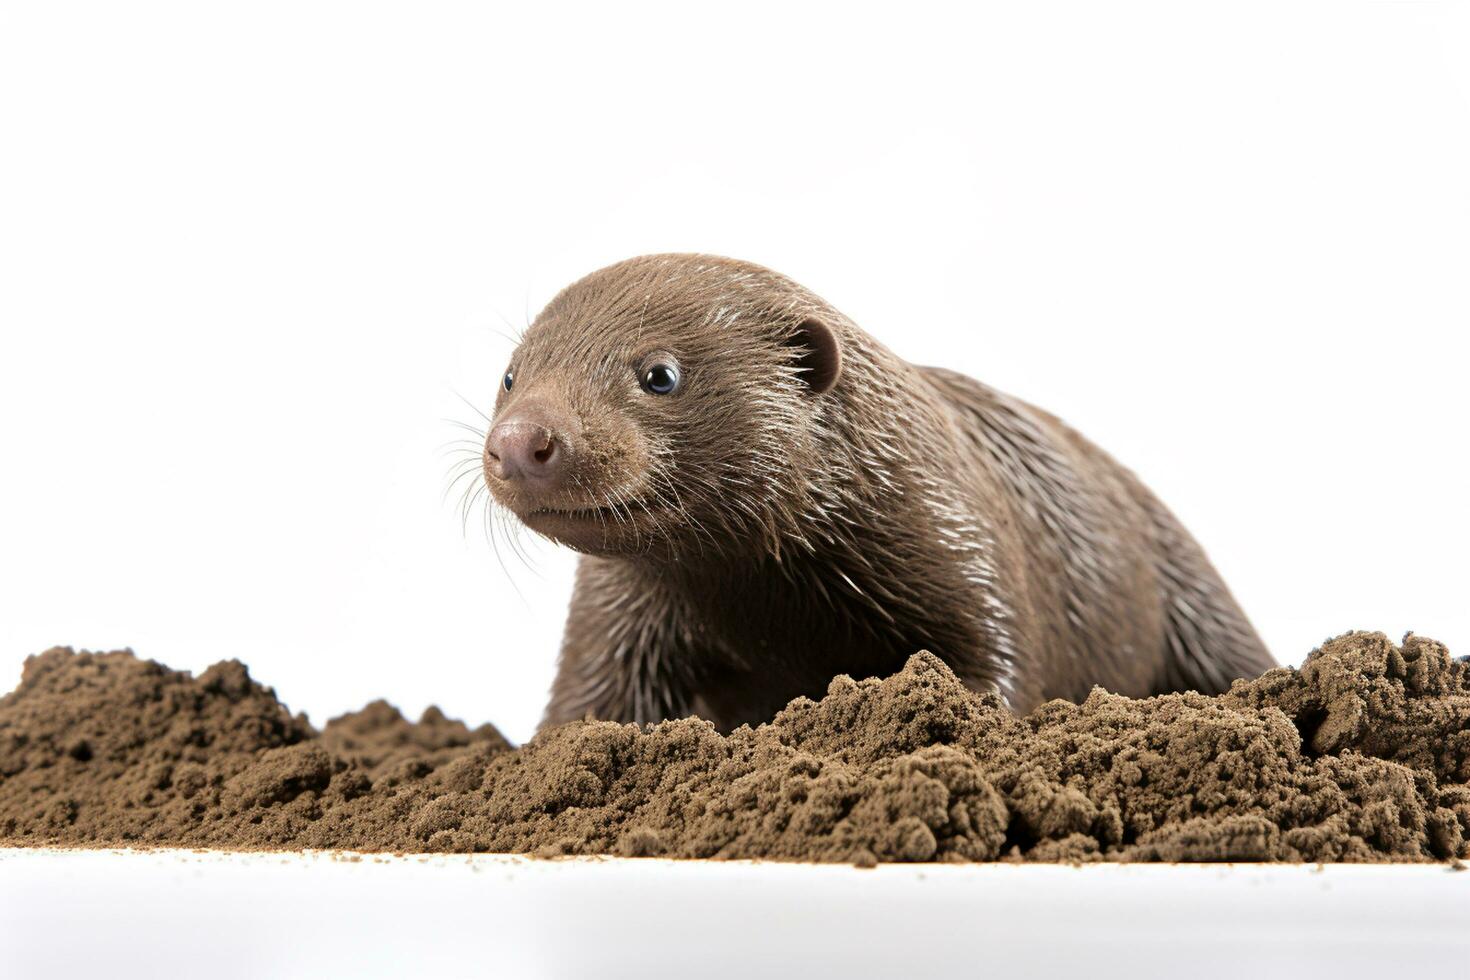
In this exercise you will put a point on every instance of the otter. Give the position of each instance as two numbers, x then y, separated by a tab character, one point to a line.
764	497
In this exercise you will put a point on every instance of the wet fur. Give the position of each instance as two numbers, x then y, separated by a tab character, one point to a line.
761	537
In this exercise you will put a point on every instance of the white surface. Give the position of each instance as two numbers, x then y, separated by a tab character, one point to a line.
251	253
186	914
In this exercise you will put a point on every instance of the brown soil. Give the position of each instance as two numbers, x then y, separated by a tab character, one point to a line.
1361	755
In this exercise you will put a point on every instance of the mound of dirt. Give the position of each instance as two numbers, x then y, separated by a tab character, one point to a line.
1362	754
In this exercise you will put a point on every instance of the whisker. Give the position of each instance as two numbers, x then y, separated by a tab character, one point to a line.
473	407
474	447
489	514
468	507
472	429
512	529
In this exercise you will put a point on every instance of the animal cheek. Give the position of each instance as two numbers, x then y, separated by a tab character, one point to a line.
617	452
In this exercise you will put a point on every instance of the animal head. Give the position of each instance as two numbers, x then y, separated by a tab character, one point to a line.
667	404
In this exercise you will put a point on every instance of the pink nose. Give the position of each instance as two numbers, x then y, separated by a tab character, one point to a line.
520	450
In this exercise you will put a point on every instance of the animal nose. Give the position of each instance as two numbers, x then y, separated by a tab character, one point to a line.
521	450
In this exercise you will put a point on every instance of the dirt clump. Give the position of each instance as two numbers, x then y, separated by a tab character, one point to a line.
1362	754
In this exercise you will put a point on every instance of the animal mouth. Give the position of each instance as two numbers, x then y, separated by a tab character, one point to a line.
622	512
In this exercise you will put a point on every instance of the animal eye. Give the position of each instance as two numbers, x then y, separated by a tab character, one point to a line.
508	380
660	379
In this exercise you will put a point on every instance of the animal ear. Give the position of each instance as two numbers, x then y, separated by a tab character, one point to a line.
818	354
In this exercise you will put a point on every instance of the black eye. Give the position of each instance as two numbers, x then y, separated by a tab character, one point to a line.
660	379
508	380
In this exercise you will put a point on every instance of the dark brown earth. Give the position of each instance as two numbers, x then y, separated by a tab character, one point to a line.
1361	755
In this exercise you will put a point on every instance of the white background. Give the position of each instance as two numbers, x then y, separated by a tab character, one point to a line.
179	913
252	255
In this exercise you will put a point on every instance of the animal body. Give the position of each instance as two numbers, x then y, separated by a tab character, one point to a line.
766	496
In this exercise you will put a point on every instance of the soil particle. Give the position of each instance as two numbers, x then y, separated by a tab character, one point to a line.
1362	754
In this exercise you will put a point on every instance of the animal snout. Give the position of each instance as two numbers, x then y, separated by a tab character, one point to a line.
525	449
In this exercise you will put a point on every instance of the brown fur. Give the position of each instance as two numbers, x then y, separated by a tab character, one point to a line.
756	535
